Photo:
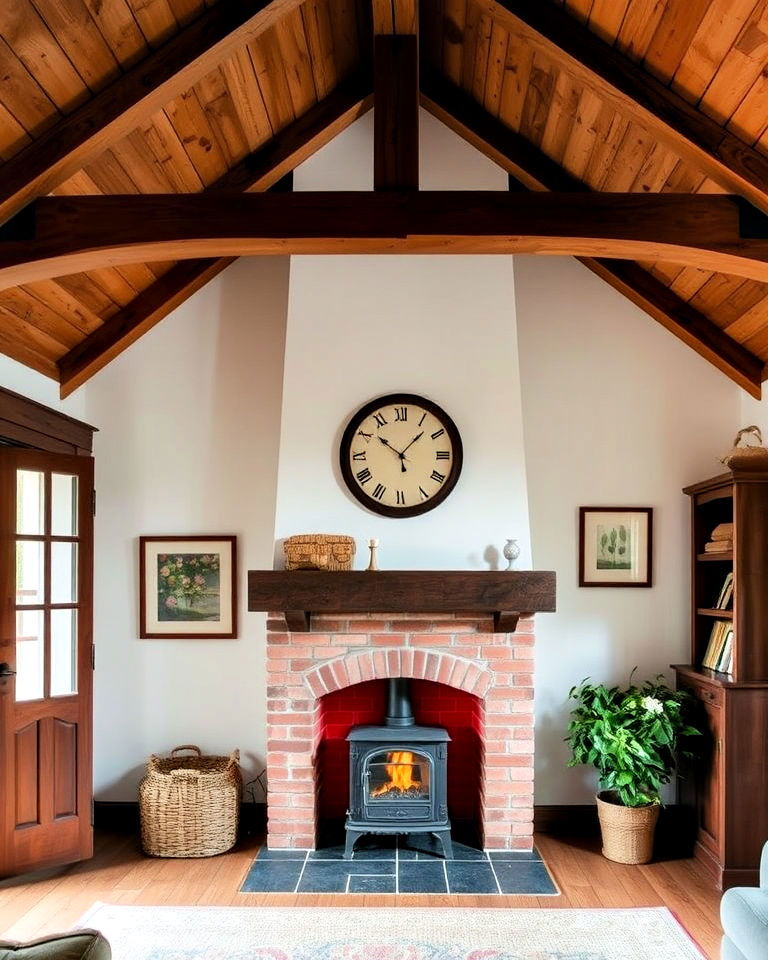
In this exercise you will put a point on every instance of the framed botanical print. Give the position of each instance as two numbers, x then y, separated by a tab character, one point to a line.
615	546
188	587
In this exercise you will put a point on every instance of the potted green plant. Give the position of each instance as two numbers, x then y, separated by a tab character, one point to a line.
633	737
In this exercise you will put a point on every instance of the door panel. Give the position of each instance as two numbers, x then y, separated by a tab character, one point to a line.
46	558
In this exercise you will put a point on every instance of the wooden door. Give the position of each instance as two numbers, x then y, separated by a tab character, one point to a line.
711	796
46	573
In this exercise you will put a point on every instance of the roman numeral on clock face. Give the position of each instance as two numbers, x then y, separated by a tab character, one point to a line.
423	418
437	433
438	477
378	491
365	436
363	476
361	455
423	494
380	420
400	498
443	455
401	414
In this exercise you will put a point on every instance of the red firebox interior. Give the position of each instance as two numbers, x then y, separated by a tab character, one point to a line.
434	704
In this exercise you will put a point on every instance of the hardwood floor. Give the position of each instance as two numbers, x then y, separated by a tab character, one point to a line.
54	899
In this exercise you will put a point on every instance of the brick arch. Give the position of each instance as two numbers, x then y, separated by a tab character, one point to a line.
382	664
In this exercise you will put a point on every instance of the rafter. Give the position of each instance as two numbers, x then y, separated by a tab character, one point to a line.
81	136
259	171
396	112
732	163
59	235
536	171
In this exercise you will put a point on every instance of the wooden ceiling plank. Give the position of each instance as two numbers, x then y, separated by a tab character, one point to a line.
23	96
717	288
80	184
62	301
471	28
628	160
655	170
138	275
750	119
396	112
258	172
606	17
689	281
110	176
113	284
515	84
606	146
186	10
294	50
716	34
162	140
156	20
454	21
90	294
673	35
191	124
497	60
561	118
482	56
639	26
584	134
641	97
537	171
79	37
246	97
39	315
750	323
741	67
347	43
743	299
134	154
538	97
273	83
579	9
37	340
317	26
119	28
213	94
13	136
28	36
74	141
16	345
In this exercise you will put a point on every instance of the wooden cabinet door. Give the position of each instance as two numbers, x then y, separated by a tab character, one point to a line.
711	798
46	560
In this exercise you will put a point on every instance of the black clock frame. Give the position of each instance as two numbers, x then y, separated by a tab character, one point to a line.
399	399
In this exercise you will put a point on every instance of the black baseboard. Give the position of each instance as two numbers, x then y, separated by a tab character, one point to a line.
122	816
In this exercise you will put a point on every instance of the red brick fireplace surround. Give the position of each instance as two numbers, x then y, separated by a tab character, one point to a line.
476	682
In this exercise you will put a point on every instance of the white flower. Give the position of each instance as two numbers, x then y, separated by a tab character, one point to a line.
652	705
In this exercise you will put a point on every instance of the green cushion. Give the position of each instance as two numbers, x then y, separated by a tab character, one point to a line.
75	945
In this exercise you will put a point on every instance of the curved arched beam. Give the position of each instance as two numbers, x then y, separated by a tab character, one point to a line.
61	235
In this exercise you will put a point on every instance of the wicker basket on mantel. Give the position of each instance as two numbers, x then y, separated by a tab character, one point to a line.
319	551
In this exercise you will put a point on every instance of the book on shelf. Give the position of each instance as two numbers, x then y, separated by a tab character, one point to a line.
726	593
720	645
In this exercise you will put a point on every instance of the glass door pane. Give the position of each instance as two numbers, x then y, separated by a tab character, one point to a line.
30	502
63	505
63	652
63	572
30	572
30	654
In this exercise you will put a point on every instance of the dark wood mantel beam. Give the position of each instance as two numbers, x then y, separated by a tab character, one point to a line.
731	162
534	170
60	235
113	112
262	170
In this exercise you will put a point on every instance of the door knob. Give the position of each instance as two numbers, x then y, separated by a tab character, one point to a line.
5	670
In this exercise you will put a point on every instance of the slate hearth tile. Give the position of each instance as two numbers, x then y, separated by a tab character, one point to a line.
272	876
266	854
467	877
426	847
524	876
515	854
371	884
330	876
423	876
385	851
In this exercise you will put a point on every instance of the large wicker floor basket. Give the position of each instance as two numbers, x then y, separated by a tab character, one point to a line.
190	804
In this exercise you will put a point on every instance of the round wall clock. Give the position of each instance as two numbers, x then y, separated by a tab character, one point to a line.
400	455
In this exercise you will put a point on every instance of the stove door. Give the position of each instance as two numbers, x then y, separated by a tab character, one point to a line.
397	785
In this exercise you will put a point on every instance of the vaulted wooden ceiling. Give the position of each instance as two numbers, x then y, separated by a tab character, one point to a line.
126	97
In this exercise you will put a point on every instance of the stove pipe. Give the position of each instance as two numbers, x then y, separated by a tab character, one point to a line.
399	712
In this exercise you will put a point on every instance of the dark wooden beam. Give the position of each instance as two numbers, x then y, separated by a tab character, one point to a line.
113	112
261	170
396	113
533	169
59	235
729	161
299	593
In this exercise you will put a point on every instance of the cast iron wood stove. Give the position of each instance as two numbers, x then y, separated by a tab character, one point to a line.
398	776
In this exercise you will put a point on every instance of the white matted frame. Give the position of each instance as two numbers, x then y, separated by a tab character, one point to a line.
188	587
615	546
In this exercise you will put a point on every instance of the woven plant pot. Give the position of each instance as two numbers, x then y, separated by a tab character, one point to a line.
627	831
190	805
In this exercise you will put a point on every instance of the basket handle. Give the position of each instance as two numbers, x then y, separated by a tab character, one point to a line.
754	430
187	746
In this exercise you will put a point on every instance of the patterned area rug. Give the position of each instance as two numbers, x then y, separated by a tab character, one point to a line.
299	933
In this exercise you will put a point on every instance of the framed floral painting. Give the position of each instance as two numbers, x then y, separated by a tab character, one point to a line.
615	546
188	587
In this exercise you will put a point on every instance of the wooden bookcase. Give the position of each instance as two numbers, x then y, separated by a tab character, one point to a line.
727	788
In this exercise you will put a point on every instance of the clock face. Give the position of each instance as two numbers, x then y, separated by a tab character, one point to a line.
401	455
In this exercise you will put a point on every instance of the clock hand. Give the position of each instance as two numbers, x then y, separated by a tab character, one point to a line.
417	437
400	454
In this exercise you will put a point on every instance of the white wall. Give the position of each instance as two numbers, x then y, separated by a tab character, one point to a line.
441	327
617	412
189	420
29	383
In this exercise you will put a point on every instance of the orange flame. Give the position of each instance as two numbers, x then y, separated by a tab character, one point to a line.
400	773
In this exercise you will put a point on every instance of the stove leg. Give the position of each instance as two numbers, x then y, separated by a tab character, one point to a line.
352	837
444	836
